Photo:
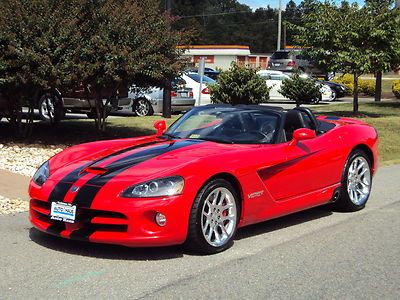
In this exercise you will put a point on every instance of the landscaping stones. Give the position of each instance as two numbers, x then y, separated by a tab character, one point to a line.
24	159
12	206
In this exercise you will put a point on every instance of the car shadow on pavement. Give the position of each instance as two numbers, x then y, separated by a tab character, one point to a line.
104	251
116	252
284	222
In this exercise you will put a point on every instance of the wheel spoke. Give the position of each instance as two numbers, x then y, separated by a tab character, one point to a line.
224	232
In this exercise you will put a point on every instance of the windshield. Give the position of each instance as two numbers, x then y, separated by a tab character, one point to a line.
196	77
227	125
280	55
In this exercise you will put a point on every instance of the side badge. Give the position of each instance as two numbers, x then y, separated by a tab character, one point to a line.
74	189
255	194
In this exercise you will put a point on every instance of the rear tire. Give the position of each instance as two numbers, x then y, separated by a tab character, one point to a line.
356	182
213	218
142	107
49	109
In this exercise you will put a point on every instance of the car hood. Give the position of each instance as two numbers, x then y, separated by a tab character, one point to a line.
142	160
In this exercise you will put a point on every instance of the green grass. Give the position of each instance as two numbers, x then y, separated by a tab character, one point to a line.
384	116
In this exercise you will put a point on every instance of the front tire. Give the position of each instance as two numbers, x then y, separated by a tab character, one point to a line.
356	182
213	218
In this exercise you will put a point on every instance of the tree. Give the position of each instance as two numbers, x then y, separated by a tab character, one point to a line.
384	29
227	22
299	89
239	85
100	44
117	49
342	38
33	39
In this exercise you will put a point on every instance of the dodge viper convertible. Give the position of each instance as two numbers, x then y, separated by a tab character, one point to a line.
216	169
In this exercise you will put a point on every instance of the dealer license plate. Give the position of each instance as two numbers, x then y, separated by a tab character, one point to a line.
61	211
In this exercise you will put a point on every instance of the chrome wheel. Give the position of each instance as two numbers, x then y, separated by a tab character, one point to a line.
143	108
359	180
46	108
219	217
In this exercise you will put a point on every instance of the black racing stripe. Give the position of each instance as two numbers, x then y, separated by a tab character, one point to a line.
82	234
59	191
124	151
273	170
86	195
56	228
88	192
63	186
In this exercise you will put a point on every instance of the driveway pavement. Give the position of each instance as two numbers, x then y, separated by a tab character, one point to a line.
13	185
316	254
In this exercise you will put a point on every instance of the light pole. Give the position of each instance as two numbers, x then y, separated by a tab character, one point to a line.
278	43
167	82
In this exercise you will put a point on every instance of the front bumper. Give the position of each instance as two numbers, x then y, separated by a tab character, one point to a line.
130	223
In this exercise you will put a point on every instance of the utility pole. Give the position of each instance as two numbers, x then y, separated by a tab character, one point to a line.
167	82
278	43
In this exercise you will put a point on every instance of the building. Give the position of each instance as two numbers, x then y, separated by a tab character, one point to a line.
221	56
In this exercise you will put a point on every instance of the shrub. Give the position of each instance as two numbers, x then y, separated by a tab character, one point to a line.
396	88
347	80
367	86
299	89
239	85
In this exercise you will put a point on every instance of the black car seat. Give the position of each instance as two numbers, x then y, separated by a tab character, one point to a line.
294	120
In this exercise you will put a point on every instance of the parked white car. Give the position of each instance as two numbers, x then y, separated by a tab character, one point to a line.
193	81
274	80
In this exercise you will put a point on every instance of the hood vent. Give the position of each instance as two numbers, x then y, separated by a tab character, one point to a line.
95	170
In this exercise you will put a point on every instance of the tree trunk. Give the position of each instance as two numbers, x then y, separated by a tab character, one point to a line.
378	86
355	94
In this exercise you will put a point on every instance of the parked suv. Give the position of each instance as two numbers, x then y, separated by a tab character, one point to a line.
291	60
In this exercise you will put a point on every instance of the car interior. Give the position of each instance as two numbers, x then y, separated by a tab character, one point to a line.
302	117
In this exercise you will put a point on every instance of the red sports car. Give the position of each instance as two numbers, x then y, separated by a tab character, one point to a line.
216	169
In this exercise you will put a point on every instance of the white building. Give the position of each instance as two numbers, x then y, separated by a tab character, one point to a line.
221	56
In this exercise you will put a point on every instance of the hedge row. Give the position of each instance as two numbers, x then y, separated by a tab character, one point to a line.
396	88
365	86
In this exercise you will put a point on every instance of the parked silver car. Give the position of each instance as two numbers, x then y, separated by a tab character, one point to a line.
293	59
146	102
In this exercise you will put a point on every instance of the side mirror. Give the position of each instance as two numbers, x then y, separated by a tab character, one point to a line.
160	126
302	134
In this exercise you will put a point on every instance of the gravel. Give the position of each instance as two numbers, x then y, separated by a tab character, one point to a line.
12	206
24	159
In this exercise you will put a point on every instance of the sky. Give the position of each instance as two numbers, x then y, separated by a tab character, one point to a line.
274	3
263	3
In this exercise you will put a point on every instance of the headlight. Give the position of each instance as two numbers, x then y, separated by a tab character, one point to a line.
42	174
168	186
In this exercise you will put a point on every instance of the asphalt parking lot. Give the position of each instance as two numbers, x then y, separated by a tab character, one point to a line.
309	255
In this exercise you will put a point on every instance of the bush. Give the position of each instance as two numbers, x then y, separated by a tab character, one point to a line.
239	85
299	89
396	88
366	86
347	80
